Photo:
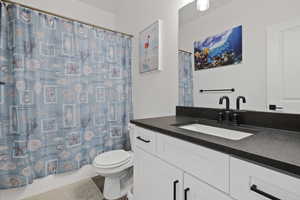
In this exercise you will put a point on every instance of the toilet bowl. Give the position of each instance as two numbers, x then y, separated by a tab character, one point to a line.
117	168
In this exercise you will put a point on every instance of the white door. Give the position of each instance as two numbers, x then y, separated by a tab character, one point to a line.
154	179
197	190
283	67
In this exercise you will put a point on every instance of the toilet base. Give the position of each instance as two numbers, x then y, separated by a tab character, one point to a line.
130	194
118	185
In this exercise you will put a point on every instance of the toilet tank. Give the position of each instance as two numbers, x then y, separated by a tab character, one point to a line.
131	128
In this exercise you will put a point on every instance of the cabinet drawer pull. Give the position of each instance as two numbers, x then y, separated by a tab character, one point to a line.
174	189
143	140
269	196
186	193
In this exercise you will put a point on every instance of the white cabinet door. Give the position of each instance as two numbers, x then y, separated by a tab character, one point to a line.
197	190
283	66
154	179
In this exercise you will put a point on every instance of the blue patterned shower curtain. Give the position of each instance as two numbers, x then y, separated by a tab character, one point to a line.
185	79
67	96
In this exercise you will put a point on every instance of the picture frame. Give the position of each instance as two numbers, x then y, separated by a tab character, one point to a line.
223	49
150	48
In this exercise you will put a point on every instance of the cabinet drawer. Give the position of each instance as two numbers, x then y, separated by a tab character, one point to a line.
209	166
145	139
252	182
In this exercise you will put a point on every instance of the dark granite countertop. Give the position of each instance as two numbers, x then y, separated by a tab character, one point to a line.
273	148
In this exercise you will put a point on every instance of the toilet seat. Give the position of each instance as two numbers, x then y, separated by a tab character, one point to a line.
112	159
122	161
114	171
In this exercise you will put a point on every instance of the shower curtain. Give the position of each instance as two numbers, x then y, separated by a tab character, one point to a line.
67	96
185	79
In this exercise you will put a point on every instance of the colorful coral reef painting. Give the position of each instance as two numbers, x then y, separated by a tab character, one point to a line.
220	50
149	48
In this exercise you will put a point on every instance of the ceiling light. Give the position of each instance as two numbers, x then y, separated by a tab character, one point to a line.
202	5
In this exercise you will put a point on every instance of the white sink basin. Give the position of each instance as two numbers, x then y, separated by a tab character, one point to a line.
218	132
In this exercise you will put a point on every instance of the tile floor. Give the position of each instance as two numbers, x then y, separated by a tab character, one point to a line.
89	189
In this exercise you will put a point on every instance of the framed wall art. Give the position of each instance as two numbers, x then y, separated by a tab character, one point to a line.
150	48
219	50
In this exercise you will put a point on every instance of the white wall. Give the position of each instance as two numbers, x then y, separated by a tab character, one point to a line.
154	94
248	78
108	5
86	13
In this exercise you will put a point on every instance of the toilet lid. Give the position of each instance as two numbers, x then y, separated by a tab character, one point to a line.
112	159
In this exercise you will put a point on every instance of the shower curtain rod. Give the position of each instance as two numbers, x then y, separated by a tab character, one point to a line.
67	18
185	51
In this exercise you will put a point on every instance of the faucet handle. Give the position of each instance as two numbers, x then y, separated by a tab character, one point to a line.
235	118
220	117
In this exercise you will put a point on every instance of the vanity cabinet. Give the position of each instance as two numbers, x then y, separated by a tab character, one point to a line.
168	168
162	164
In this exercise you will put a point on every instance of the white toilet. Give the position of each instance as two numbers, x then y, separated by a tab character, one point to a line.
117	168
